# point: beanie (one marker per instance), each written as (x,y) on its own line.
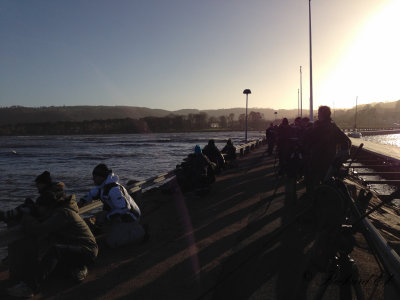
(101,170)
(197,149)
(44,178)
(47,199)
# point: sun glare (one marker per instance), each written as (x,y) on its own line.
(370,68)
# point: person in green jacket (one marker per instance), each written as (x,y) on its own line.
(60,239)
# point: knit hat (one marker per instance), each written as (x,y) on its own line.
(47,199)
(197,149)
(44,178)
(101,170)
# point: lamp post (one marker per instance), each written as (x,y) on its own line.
(275,113)
(301,93)
(298,102)
(311,85)
(247,92)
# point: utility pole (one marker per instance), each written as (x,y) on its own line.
(311,84)
(298,102)
(301,93)
(247,92)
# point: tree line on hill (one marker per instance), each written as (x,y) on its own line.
(379,115)
(170,123)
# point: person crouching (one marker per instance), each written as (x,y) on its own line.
(59,239)
(122,213)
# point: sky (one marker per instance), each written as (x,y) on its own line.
(178,54)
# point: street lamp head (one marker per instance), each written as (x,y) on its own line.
(247,91)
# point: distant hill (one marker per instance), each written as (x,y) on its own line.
(23,115)
(368,113)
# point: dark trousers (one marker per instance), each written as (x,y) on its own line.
(26,263)
(270,147)
(64,257)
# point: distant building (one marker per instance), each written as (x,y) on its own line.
(214,125)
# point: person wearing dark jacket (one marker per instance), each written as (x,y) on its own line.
(284,136)
(43,184)
(270,134)
(213,154)
(323,143)
(62,240)
(229,150)
(196,172)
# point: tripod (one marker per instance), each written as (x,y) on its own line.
(342,269)
(335,242)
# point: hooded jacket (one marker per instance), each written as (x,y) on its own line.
(116,199)
(63,225)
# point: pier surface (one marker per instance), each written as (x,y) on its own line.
(240,241)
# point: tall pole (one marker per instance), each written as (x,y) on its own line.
(301,93)
(355,116)
(247,95)
(298,102)
(247,92)
(334,110)
(311,85)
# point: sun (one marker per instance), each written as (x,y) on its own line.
(370,68)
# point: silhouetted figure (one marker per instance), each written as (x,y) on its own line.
(196,171)
(57,238)
(213,154)
(229,150)
(285,133)
(43,184)
(270,134)
(321,143)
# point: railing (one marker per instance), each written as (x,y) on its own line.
(14,233)
(389,259)
(385,253)
(375,131)
(245,148)
(371,129)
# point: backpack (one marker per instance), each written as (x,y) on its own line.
(128,198)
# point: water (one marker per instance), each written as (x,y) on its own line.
(71,159)
(384,189)
(389,139)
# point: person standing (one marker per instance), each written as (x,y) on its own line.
(270,135)
(323,143)
(285,133)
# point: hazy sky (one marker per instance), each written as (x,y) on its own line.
(175,54)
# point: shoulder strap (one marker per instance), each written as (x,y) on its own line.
(108,187)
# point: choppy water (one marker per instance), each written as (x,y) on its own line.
(389,139)
(132,156)
(71,159)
